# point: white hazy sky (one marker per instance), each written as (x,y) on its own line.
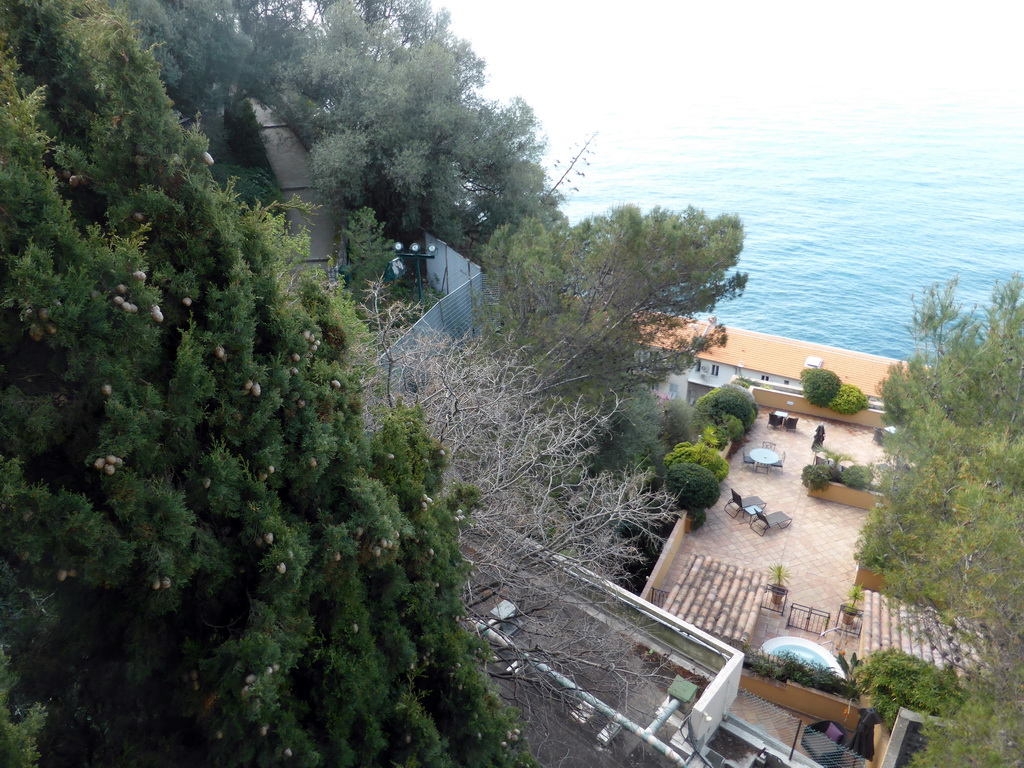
(579,64)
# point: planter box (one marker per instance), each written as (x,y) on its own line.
(817,705)
(851,497)
(796,403)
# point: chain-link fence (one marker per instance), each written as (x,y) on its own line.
(456,315)
(814,741)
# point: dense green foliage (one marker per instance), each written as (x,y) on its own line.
(693,486)
(390,103)
(604,305)
(210,561)
(632,439)
(786,667)
(820,386)
(726,401)
(895,679)
(849,400)
(816,477)
(859,477)
(949,536)
(699,453)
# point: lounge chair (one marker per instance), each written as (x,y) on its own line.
(772,520)
(739,504)
(791,423)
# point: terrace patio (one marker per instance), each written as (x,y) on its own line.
(817,547)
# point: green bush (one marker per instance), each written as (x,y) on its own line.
(895,679)
(820,386)
(729,401)
(816,477)
(734,428)
(694,487)
(858,477)
(697,519)
(786,667)
(849,400)
(702,454)
(678,423)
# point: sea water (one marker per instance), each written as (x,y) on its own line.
(850,211)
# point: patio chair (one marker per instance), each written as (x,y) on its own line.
(768,444)
(742,503)
(780,462)
(774,420)
(747,459)
(791,423)
(773,520)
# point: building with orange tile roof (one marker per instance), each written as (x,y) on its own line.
(774,360)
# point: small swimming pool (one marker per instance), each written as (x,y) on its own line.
(805,650)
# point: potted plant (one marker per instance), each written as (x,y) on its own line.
(850,609)
(778,578)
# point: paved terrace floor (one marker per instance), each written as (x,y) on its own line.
(817,547)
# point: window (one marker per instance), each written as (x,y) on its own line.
(714,370)
(764,377)
(673,391)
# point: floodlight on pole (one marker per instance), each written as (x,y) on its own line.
(413,253)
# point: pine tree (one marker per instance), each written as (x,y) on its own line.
(208,559)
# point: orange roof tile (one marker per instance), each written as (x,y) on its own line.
(787,357)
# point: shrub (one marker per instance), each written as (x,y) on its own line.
(820,386)
(895,679)
(849,400)
(733,427)
(694,487)
(816,477)
(786,667)
(729,401)
(702,454)
(678,423)
(858,477)
(697,519)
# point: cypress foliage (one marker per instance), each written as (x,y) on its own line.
(206,558)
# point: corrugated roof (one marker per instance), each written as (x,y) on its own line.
(779,356)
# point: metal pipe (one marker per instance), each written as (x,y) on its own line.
(641,733)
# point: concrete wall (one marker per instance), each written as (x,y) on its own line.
(448,270)
(668,556)
(785,401)
(816,705)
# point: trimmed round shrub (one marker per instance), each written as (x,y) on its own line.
(816,477)
(702,454)
(858,477)
(820,386)
(849,400)
(895,679)
(694,487)
(729,401)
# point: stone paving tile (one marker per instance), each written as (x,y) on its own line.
(819,544)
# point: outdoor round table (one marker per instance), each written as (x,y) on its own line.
(763,456)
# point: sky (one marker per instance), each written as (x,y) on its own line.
(580,64)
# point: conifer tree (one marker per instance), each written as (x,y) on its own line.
(206,558)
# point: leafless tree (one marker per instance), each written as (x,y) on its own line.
(540,505)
